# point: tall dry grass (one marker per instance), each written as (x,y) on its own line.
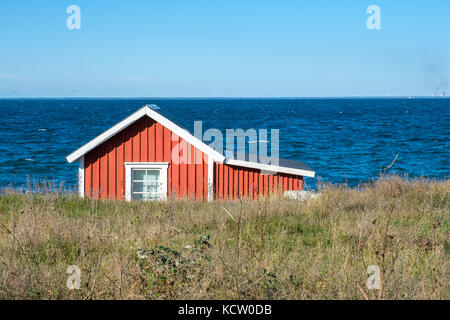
(272,248)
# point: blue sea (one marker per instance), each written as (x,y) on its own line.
(346,141)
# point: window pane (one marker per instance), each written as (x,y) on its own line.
(138,187)
(152,175)
(152,187)
(138,196)
(153,197)
(146,184)
(138,174)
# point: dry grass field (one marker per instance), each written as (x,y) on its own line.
(272,248)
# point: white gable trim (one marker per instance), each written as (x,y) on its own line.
(81,177)
(133,118)
(268,167)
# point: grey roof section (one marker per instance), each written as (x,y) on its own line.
(286,163)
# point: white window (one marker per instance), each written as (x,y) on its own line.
(146,180)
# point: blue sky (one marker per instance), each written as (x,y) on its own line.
(224,49)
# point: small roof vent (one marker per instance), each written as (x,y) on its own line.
(152,106)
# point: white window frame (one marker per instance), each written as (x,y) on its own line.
(161,166)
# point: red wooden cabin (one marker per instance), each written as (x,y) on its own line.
(146,157)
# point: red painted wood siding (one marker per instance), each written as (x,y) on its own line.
(144,141)
(232,182)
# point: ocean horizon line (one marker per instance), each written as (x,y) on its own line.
(223,98)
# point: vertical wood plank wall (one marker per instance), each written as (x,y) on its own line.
(232,182)
(148,141)
(144,141)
